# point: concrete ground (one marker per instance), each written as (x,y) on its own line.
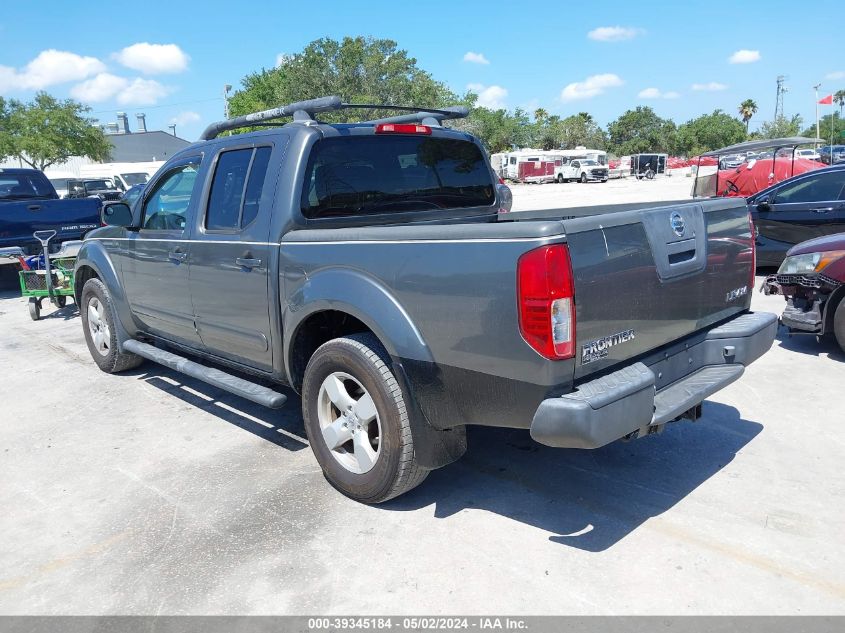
(150,493)
(616,191)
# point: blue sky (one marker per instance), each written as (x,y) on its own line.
(172,59)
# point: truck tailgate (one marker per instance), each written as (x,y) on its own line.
(647,277)
(71,219)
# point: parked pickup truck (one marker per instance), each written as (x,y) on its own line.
(582,170)
(29,203)
(372,268)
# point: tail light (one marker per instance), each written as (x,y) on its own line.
(402,128)
(547,301)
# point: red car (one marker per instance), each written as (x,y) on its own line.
(812,279)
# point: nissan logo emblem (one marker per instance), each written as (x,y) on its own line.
(677,223)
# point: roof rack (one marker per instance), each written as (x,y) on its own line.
(305,111)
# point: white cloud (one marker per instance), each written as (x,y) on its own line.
(490,97)
(153,59)
(655,93)
(591,87)
(713,86)
(649,93)
(614,33)
(185,118)
(744,56)
(100,88)
(142,92)
(50,67)
(839,74)
(282,58)
(475,58)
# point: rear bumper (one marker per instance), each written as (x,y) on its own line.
(627,400)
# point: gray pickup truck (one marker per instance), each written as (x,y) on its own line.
(373,268)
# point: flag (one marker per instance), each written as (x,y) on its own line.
(828,100)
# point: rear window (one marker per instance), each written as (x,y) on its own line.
(23,186)
(362,175)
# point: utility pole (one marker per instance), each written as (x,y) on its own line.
(226,89)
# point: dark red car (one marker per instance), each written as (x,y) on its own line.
(812,279)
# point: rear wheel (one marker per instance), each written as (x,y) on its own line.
(98,323)
(34,309)
(583,178)
(357,422)
(61,301)
(839,324)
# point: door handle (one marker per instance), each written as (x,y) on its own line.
(34,207)
(823,210)
(177,256)
(248,262)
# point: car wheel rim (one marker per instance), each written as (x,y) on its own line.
(98,327)
(349,422)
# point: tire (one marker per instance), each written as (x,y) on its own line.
(583,179)
(341,374)
(34,309)
(605,180)
(839,324)
(99,316)
(560,178)
(61,301)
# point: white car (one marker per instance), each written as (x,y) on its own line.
(582,170)
(809,154)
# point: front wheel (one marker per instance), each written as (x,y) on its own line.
(560,178)
(357,421)
(839,324)
(98,323)
(583,178)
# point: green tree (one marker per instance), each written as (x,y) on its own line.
(47,131)
(830,125)
(358,69)
(782,127)
(839,98)
(641,130)
(747,109)
(708,132)
(498,130)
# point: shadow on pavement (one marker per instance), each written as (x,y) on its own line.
(282,427)
(810,344)
(589,500)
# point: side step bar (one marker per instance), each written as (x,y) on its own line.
(226,382)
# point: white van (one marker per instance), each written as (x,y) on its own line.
(124,175)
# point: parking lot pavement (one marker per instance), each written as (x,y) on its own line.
(616,191)
(148,493)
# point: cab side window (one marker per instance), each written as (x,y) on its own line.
(167,204)
(820,188)
(236,188)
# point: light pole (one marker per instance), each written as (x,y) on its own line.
(816,88)
(226,89)
(172,128)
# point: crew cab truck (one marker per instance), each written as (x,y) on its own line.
(29,203)
(371,268)
(583,170)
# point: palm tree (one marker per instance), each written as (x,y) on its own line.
(747,109)
(839,97)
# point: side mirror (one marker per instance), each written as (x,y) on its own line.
(116,214)
(764,204)
(505,197)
